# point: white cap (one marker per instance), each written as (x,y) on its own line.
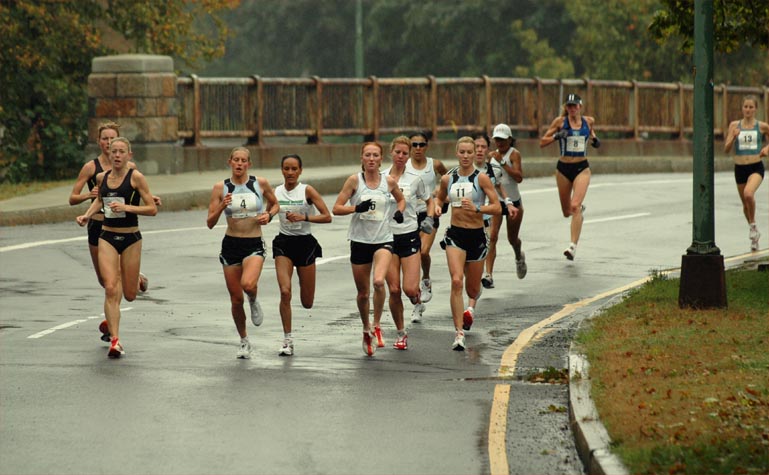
(502,131)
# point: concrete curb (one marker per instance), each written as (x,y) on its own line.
(590,435)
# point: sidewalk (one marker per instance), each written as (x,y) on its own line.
(178,192)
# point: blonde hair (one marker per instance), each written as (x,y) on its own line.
(109,125)
(465,139)
(400,139)
(240,149)
(120,139)
(751,97)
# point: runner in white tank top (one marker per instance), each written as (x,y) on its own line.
(365,195)
(431,171)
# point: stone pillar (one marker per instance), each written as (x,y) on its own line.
(138,92)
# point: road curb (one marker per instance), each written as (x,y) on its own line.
(590,436)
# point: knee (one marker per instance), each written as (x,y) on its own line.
(130,295)
(456,284)
(285,294)
(237,300)
(112,290)
(362,296)
(412,292)
(394,290)
(749,196)
(379,284)
(575,209)
(248,286)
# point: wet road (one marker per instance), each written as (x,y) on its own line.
(179,402)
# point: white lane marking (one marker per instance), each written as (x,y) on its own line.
(326,260)
(615,218)
(603,185)
(69,324)
(28,245)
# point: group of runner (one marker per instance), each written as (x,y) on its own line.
(395,219)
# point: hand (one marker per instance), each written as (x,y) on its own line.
(595,142)
(157,200)
(561,134)
(428,225)
(398,216)
(363,206)
(82,220)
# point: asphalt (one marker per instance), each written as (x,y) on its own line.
(193,189)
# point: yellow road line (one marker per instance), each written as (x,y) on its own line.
(498,417)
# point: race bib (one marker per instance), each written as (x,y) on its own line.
(748,140)
(406,190)
(108,213)
(284,221)
(243,205)
(376,209)
(459,191)
(575,143)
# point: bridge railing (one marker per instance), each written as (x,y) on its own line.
(256,108)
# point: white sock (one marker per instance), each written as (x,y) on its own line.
(244,340)
(288,335)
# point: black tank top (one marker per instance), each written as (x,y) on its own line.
(124,192)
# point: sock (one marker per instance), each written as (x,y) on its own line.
(244,339)
(288,335)
(402,332)
(471,309)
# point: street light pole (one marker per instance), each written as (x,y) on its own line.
(359,38)
(702,268)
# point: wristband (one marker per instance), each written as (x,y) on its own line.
(477,209)
(508,201)
(306,217)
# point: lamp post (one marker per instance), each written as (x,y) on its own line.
(702,268)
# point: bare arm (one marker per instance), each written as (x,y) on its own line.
(139,182)
(217,204)
(76,196)
(341,208)
(731,136)
(395,190)
(441,195)
(324,215)
(271,202)
(548,138)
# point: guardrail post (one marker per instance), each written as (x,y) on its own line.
(197,118)
(318,137)
(487,120)
(538,116)
(433,107)
(375,109)
(636,116)
(255,105)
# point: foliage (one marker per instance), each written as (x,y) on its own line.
(46,48)
(735,23)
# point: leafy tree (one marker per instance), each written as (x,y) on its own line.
(616,44)
(735,23)
(46,48)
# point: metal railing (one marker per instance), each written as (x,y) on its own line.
(255,108)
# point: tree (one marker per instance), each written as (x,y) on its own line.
(735,23)
(46,48)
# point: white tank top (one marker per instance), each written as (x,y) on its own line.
(294,201)
(414,192)
(428,176)
(507,182)
(373,226)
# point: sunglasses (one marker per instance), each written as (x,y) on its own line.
(419,144)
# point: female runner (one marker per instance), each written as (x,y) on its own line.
(371,240)
(295,246)
(249,203)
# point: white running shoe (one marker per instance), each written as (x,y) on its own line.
(570,251)
(426,286)
(416,314)
(257,316)
(754,237)
(520,266)
(288,347)
(487,281)
(244,352)
(459,342)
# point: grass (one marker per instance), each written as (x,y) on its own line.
(12,190)
(682,390)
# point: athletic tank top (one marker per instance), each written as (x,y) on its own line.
(414,192)
(246,198)
(294,201)
(428,176)
(465,187)
(749,140)
(124,193)
(372,226)
(507,182)
(575,144)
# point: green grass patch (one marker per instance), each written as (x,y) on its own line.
(683,390)
(12,190)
